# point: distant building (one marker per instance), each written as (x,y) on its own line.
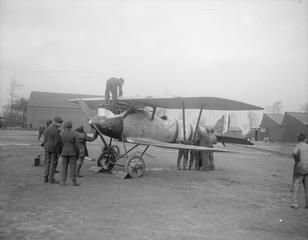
(234,131)
(3,122)
(283,128)
(294,123)
(46,105)
(271,127)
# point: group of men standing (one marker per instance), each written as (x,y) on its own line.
(66,143)
(204,160)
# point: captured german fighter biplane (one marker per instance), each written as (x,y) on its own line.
(135,123)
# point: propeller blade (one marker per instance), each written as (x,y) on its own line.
(86,110)
(128,110)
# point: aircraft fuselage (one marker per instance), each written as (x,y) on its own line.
(141,125)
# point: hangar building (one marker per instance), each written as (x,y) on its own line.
(283,128)
(294,123)
(271,127)
(46,105)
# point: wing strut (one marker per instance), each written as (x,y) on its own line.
(153,114)
(197,125)
(184,126)
(128,110)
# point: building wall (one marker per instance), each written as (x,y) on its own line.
(292,127)
(234,133)
(272,130)
(37,115)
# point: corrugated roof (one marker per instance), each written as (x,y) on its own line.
(278,118)
(55,100)
(302,117)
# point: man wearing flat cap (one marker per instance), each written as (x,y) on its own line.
(52,148)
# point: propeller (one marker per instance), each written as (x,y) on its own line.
(90,114)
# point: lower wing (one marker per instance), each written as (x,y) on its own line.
(227,139)
(143,141)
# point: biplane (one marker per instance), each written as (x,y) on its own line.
(134,121)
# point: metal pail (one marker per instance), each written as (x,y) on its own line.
(37,161)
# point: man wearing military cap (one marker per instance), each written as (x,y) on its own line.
(52,147)
(70,151)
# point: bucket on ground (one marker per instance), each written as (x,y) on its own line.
(37,160)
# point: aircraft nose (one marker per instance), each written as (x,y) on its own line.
(111,127)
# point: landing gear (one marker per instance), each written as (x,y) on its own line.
(135,166)
(108,158)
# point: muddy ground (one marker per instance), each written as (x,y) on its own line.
(246,197)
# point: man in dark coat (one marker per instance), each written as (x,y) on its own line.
(69,153)
(182,153)
(83,150)
(195,155)
(112,86)
(300,155)
(48,122)
(212,141)
(205,155)
(41,131)
(52,148)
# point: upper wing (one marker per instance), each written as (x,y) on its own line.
(208,103)
(143,141)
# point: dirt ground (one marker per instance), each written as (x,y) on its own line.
(246,197)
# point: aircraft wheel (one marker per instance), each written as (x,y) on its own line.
(135,166)
(106,161)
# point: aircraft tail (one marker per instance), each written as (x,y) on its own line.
(226,123)
(222,125)
(86,110)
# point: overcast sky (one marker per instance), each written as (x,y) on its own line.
(251,50)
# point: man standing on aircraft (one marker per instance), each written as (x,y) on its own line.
(112,86)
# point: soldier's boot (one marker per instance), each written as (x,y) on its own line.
(53,181)
(75,184)
(45,179)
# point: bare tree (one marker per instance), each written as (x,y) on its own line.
(304,107)
(12,92)
(17,112)
(275,108)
